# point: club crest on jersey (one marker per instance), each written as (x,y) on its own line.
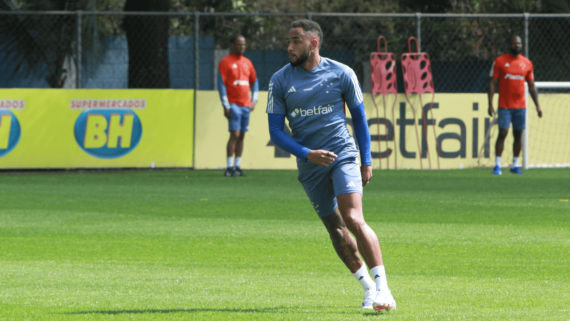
(317,110)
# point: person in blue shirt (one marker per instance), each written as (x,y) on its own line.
(311,93)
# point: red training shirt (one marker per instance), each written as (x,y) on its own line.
(238,75)
(512,72)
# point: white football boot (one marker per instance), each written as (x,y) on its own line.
(384,301)
(368,302)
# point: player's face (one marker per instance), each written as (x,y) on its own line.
(515,46)
(238,47)
(299,46)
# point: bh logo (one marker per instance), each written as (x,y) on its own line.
(108,133)
(9,131)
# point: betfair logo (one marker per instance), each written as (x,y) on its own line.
(317,110)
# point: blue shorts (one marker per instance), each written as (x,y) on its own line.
(516,116)
(239,118)
(324,184)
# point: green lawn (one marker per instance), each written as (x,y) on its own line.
(193,245)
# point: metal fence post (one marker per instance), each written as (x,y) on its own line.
(196,51)
(78,53)
(419,30)
(525,135)
(309,16)
(526,44)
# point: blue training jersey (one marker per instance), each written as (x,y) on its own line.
(313,102)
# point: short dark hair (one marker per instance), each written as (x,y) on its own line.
(513,36)
(234,37)
(309,26)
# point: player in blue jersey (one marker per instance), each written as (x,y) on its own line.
(311,93)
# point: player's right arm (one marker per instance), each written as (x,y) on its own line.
(493,82)
(223,94)
(276,110)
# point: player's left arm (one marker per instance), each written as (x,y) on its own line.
(534,94)
(352,94)
(254,94)
(254,84)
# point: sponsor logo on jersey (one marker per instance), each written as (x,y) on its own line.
(108,133)
(351,184)
(317,110)
(514,77)
(292,89)
(9,130)
(241,83)
(234,66)
(507,65)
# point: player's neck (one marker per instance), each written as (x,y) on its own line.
(312,63)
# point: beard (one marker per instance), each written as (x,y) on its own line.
(300,60)
(515,51)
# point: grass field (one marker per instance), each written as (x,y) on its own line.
(193,245)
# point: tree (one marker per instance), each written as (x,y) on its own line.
(147,38)
(45,45)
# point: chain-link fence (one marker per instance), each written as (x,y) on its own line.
(182,50)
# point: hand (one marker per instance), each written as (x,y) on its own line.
(321,157)
(366,171)
(252,106)
(227,113)
(491,110)
(539,111)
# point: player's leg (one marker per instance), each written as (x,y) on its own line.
(235,129)
(343,243)
(347,250)
(350,207)
(504,124)
(347,182)
(244,127)
(518,116)
(318,186)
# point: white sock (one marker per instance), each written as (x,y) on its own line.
(238,161)
(363,277)
(498,161)
(230,162)
(379,274)
(515,161)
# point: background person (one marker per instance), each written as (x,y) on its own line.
(510,71)
(236,75)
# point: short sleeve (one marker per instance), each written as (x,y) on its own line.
(351,91)
(252,74)
(495,70)
(530,74)
(222,70)
(275,97)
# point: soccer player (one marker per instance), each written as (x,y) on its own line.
(311,92)
(510,71)
(236,76)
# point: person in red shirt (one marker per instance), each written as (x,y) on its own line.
(236,76)
(510,71)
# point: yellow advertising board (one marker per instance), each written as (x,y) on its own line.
(94,128)
(460,122)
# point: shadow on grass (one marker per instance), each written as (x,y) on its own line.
(262,310)
(196,310)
